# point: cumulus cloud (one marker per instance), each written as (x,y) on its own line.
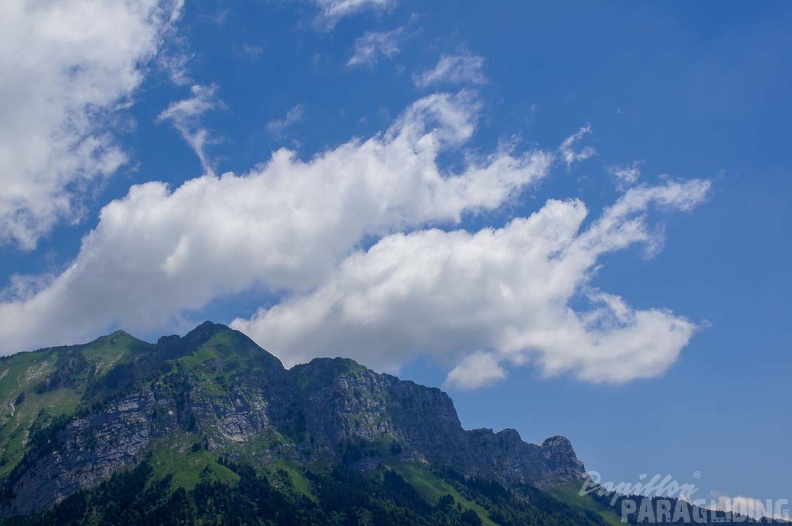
(490,299)
(185,115)
(453,69)
(625,176)
(476,370)
(66,67)
(373,45)
(285,226)
(292,117)
(567,149)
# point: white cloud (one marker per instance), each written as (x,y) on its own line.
(185,115)
(293,116)
(373,45)
(474,371)
(453,69)
(489,299)
(753,507)
(66,67)
(334,10)
(175,62)
(253,51)
(567,151)
(625,176)
(158,254)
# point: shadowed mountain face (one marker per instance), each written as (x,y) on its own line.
(74,416)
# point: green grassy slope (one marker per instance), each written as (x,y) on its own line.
(570,494)
(38,387)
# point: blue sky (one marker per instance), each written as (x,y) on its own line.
(573,216)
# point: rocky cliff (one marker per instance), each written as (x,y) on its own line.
(76,415)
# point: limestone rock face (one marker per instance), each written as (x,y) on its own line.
(217,387)
(85,451)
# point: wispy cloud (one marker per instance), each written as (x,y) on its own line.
(373,45)
(625,176)
(453,69)
(253,51)
(334,10)
(292,117)
(568,152)
(185,115)
(174,59)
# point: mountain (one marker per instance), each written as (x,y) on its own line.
(210,428)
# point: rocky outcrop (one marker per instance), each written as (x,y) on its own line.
(358,403)
(84,451)
(219,386)
(505,456)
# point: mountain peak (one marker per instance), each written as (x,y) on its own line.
(209,324)
(211,341)
(557,441)
(206,330)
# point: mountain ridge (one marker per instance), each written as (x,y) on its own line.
(217,387)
